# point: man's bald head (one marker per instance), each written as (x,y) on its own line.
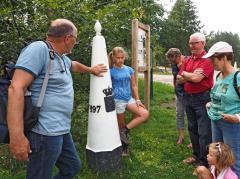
(61,27)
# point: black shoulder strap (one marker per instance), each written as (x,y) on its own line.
(52,53)
(51,50)
(235,83)
(218,75)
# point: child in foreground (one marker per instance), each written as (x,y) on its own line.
(220,159)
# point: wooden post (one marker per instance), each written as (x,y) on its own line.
(135,47)
(145,67)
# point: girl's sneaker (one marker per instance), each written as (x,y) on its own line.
(125,150)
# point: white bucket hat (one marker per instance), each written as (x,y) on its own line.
(219,47)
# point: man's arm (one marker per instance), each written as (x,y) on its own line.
(194,77)
(81,68)
(180,79)
(19,144)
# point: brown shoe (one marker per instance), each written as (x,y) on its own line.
(123,135)
(190,160)
(125,153)
(125,150)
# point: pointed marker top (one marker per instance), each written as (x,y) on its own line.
(98,27)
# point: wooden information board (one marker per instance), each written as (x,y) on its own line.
(141,55)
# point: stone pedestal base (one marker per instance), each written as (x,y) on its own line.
(105,161)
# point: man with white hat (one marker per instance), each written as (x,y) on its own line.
(197,76)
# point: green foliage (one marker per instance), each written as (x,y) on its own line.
(232,39)
(20,23)
(80,109)
(24,21)
(9,167)
(180,24)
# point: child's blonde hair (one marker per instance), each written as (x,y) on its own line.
(113,53)
(224,155)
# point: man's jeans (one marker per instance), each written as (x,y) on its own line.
(199,125)
(48,151)
(228,133)
(3,133)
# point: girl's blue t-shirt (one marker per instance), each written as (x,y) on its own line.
(224,98)
(121,82)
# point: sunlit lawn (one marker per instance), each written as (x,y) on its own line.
(153,152)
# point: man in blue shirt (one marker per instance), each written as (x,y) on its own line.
(50,142)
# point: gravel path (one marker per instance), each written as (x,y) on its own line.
(167,79)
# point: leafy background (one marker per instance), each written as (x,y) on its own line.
(154,153)
(24,21)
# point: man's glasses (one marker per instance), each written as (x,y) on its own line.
(218,146)
(76,39)
(73,36)
(193,43)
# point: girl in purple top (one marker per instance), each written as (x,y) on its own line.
(220,158)
(126,96)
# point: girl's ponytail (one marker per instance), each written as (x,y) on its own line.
(110,59)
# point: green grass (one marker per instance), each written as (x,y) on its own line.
(153,152)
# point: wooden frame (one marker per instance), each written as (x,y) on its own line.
(136,25)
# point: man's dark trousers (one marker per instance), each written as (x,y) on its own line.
(199,125)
